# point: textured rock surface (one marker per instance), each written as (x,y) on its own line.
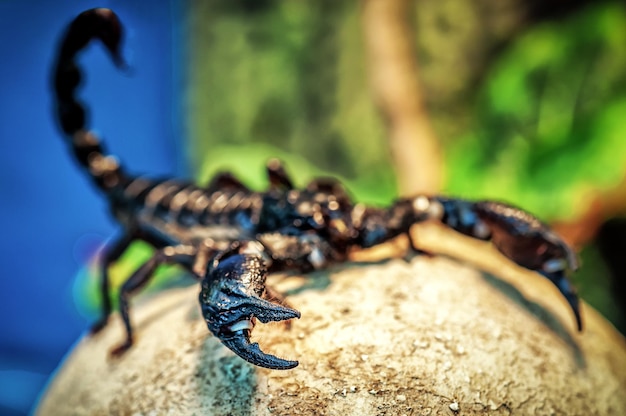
(428,337)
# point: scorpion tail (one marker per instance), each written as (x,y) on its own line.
(104,25)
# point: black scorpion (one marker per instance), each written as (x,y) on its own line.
(230,238)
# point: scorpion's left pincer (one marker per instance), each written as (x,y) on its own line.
(232,299)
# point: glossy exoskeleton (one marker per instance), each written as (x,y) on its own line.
(230,237)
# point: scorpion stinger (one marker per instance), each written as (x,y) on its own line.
(101,24)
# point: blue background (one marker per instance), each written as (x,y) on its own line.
(50,215)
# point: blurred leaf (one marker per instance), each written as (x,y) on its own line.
(550,117)
(292,77)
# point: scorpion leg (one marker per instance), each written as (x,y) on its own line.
(182,254)
(277,175)
(225,181)
(111,254)
(233,297)
(515,233)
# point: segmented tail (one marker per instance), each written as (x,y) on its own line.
(104,25)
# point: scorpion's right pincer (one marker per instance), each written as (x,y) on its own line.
(232,300)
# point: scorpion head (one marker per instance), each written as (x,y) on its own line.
(231,301)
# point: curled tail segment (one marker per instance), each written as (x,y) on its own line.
(101,24)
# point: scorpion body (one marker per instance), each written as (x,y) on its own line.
(230,237)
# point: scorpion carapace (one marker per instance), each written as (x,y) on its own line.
(230,237)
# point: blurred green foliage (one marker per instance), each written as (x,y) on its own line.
(545,124)
(549,117)
(289,75)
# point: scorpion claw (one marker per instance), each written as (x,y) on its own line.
(532,244)
(231,300)
(266,311)
(239,343)
(236,336)
(560,280)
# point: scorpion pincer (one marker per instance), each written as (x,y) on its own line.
(230,238)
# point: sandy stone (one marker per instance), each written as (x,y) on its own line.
(429,337)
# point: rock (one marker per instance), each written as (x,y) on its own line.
(428,337)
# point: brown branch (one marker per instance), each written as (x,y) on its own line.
(394,77)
